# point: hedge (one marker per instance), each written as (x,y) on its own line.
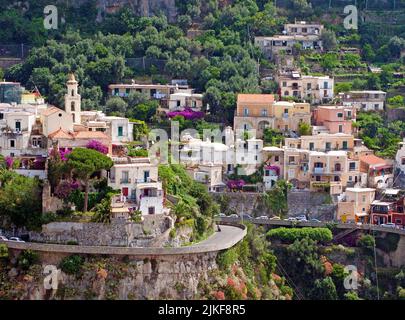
(292,234)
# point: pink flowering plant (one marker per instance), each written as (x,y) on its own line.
(188,114)
(98,146)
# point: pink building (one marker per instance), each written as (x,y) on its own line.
(335,119)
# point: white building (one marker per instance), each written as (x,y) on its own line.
(185,99)
(138,181)
(367,100)
(400,165)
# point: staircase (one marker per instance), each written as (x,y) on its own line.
(343,234)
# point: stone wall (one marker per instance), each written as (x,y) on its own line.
(395,114)
(118,233)
(123,278)
(315,204)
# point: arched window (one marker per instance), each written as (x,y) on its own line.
(73,92)
(72,106)
(338,167)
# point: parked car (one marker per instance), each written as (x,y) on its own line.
(233,216)
(275,218)
(291,219)
(15,239)
(3,238)
(247,216)
(221,215)
(301,218)
(389,225)
(315,220)
(262,218)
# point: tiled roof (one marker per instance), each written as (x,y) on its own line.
(51,110)
(255,98)
(372,160)
(60,134)
(90,135)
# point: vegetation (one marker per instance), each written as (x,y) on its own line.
(72,264)
(83,163)
(290,235)
(276,199)
(27,258)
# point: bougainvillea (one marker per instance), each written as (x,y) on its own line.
(188,114)
(219,295)
(65,188)
(9,162)
(235,184)
(98,146)
(273,168)
(64,153)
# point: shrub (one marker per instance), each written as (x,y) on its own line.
(389,243)
(172,233)
(292,234)
(27,258)
(72,264)
(3,251)
(227,258)
(366,241)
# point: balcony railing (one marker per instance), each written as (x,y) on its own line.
(125,181)
(318,170)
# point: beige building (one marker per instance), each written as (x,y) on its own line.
(355,205)
(313,89)
(260,111)
(73,99)
(322,142)
(53,119)
(307,36)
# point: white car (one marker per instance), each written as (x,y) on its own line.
(291,219)
(15,239)
(316,220)
(275,218)
(389,225)
(221,215)
(3,238)
(301,218)
(262,218)
(233,216)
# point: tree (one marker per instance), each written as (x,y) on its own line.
(84,163)
(329,41)
(395,45)
(276,198)
(20,199)
(304,129)
(324,289)
(117,104)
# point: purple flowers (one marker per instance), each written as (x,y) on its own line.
(273,168)
(98,146)
(187,114)
(64,153)
(9,162)
(235,184)
(65,188)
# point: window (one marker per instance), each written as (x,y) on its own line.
(327,146)
(120,131)
(340,128)
(336,179)
(284,84)
(18,125)
(363,198)
(256,158)
(276,158)
(325,93)
(12,143)
(291,160)
(264,113)
(151,210)
(377,106)
(340,115)
(344,145)
(246,111)
(73,92)
(286,111)
(178,103)
(325,85)
(257,147)
(146,175)
(352,166)
(72,106)
(338,167)
(1,116)
(304,30)
(318,178)
(309,86)
(311,146)
(286,93)
(318,165)
(349,114)
(116,91)
(125,177)
(403,161)
(127,91)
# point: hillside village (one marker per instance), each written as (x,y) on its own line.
(263,134)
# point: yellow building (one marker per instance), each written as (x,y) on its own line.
(356,205)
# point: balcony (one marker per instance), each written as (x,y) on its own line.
(125,181)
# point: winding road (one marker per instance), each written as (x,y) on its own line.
(229,235)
